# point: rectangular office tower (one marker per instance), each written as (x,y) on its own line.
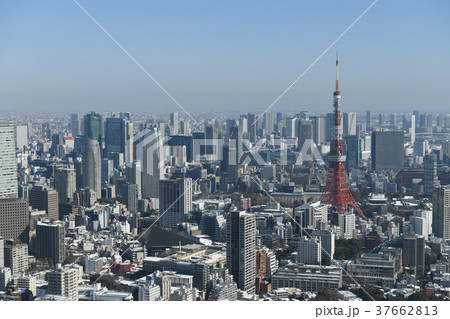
(241,236)
(119,137)
(175,201)
(50,241)
(441,212)
(8,161)
(14,219)
(387,150)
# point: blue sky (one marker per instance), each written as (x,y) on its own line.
(224,55)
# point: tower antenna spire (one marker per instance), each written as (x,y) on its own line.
(337,72)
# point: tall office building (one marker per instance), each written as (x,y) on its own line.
(413,128)
(21,136)
(353,151)
(387,150)
(14,219)
(63,282)
(269,122)
(414,253)
(107,170)
(150,151)
(320,129)
(93,127)
(185,127)
(241,236)
(309,251)
(175,201)
(327,239)
(92,166)
(16,256)
(50,241)
(119,137)
(290,127)
(368,120)
(134,175)
(45,198)
(74,124)
(347,225)
(130,196)
(234,155)
(8,161)
(305,132)
(252,127)
(381,119)
(441,212)
(174,123)
(65,184)
(349,123)
(430,173)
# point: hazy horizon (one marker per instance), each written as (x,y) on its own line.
(223,57)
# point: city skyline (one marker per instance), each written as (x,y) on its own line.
(223,56)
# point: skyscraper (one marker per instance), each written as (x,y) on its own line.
(349,123)
(441,212)
(235,151)
(305,132)
(130,196)
(93,127)
(241,236)
(414,253)
(45,198)
(8,161)
(50,241)
(174,123)
(92,166)
(290,127)
(175,201)
(14,218)
(430,173)
(65,183)
(150,151)
(74,124)
(368,120)
(387,150)
(119,137)
(269,122)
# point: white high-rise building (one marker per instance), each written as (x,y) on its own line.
(27,282)
(290,127)
(8,161)
(149,292)
(309,251)
(63,282)
(150,151)
(21,136)
(174,123)
(347,226)
(16,257)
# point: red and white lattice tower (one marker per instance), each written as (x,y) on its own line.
(336,192)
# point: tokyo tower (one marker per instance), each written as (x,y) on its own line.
(336,192)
